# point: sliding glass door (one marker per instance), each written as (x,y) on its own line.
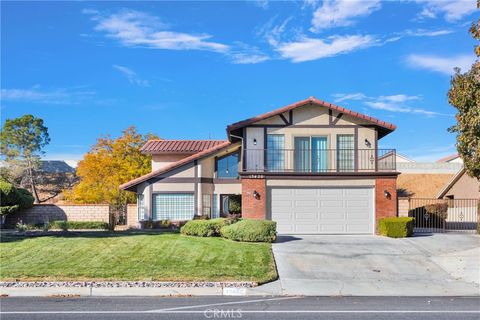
(310,154)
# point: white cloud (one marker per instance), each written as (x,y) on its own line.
(307,49)
(339,97)
(246,54)
(451,10)
(398,103)
(428,33)
(56,96)
(441,64)
(260,3)
(137,29)
(339,13)
(131,76)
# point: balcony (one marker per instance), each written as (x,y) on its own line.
(319,161)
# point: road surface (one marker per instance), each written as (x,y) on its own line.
(278,308)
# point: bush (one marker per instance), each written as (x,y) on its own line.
(396,227)
(12,199)
(205,228)
(251,231)
(437,210)
(165,224)
(78,225)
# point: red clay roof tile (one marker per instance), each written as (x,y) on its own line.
(179,146)
(175,165)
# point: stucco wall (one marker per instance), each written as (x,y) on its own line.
(465,188)
(162,160)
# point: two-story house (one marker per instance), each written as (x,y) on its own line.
(313,167)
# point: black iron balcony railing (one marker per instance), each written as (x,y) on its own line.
(319,160)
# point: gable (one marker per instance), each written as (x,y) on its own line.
(311,111)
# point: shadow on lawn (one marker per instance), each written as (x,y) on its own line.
(19,236)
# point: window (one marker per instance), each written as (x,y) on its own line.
(173,206)
(345,152)
(311,154)
(227,166)
(141,207)
(275,152)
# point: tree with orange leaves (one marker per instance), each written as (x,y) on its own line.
(108,164)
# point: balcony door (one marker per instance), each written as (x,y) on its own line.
(345,152)
(311,154)
(275,152)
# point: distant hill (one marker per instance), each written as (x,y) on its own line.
(56,166)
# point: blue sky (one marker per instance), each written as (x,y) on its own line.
(185,70)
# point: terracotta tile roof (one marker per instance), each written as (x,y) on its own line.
(448,158)
(388,127)
(175,165)
(179,146)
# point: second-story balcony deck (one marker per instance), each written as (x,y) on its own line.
(319,161)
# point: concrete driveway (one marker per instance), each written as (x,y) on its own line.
(429,265)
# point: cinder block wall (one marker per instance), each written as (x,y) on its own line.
(42,213)
(132,216)
(403,206)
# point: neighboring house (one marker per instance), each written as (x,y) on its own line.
(399,158)
(453,158)
(461,186)
(313,167)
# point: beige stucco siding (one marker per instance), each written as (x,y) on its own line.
(465,188)
(160,161)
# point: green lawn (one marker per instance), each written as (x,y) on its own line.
(130,256)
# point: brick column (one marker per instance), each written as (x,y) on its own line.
(385,206)
(254,207)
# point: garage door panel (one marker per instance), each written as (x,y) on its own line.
(331,203)
(331,192)
(332,216)
(311,217)
(306,228)
(358,204)
(357,192)
(329,210)
(305,203)
(305,192)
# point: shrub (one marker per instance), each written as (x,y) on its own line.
(396,227)
(437,210)
(21,226)
(77,225)
(235,203)
(251,231)
(12,199)
(205,228)
(165,224)
(199,228)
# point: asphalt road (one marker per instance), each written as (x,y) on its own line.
(278,308)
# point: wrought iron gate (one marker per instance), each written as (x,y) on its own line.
(444,215)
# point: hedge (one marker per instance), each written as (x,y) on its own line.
(251,231)
(204,228)
(396,227)
(77,225)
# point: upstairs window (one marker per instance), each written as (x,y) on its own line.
(227,166)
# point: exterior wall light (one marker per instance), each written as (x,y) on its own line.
(387,194)
(368,143)
(256,195)
(254,142)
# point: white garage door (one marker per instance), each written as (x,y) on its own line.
(322,210)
